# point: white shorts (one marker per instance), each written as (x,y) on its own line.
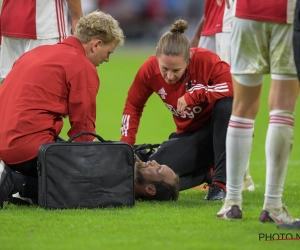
(208,42)
(261,48)
(13,48)
(223,43)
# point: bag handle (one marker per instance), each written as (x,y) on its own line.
(85,133)
(145,146)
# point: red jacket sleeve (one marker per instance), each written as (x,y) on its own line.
(219,85)
(82,104)
(137,97)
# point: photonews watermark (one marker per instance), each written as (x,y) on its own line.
(278,236)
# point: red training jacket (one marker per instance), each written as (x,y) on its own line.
(210,80)
(44,85)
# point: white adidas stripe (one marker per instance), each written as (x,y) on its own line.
(125,124)
(222,87)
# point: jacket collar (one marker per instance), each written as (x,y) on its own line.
(74,42)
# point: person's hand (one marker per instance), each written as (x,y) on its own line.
(74,22)
(181,105)
(219,2)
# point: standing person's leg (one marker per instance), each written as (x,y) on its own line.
(220,118)
(296,46)
(247,79)
(189,154)
(239,144)
(279,141)
(223,50)
(284,91)
(296,38)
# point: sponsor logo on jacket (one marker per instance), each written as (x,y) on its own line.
(191,111)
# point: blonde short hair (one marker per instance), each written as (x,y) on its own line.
(100,26)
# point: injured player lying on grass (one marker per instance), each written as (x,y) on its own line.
(152,182)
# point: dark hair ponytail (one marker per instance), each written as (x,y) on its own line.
(175,42)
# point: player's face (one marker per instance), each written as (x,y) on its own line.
(101,52)
(172,67)
(152,171)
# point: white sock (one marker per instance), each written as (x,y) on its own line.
(238,149)
(279,142)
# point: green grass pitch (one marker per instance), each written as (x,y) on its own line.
(189,223)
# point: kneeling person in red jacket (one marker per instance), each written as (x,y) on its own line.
(195,85)
(46,84)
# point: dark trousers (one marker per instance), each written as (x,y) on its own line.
(296,37)
(190,154)
(25,179)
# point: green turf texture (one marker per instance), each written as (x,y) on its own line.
(189,223)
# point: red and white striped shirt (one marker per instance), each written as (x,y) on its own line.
(209,80)
(217,18)
(35,19)
(279,11)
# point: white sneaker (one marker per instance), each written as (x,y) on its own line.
(230,213)
(277,215)
(248,184)
(18,199)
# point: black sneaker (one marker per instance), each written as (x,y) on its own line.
(6,183)
(294,225)
(215,192)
